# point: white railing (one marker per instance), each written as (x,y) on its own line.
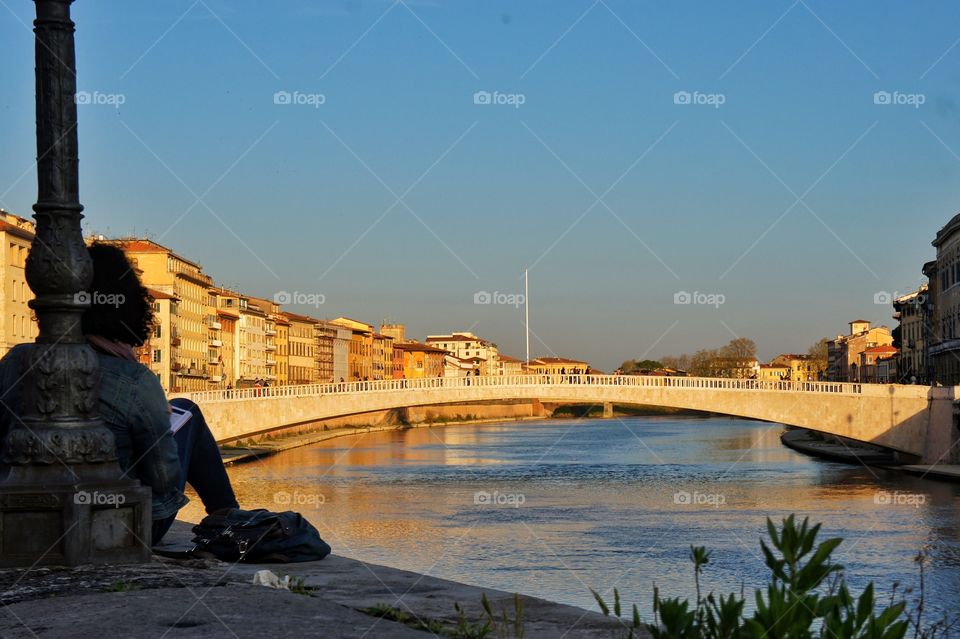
(386,385)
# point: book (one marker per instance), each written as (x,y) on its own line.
(178,417)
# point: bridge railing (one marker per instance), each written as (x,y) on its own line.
(386,385)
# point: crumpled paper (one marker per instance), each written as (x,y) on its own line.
(270,579)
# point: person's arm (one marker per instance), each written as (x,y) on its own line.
(154,454)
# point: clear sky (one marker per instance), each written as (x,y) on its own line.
(777,181)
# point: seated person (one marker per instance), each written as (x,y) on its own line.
(132,402)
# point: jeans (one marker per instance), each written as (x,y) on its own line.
(201,466)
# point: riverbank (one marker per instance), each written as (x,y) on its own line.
(212,599)
(271,445)
(849,452)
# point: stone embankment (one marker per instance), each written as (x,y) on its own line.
(336,597)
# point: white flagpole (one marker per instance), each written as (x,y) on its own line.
(526,310)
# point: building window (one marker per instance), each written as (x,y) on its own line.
(157,356)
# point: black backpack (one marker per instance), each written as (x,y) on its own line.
(259,536)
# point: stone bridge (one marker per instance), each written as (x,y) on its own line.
(917,421)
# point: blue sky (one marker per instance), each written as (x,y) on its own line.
(796,199)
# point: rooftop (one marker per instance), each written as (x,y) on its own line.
(557,360)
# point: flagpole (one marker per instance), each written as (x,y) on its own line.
(526,309)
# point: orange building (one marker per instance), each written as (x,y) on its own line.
(413,360)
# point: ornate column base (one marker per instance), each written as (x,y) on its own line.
(86,523)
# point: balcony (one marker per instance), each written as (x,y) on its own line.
(271,347)
(213,361)
(270,331)
(216,343)
(215,325)
(175,366)
(271,362)
(216,379)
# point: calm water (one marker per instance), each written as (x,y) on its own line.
(600,505)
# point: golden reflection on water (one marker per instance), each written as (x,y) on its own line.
(600,499)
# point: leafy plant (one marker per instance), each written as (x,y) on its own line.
(121,586)
(799,602)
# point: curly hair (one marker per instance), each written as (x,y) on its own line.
(121,308)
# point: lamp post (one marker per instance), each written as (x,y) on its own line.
(64,500)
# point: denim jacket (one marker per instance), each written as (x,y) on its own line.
(135,408)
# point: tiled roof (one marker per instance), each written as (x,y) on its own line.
(160,295)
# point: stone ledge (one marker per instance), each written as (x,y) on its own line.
(212,599)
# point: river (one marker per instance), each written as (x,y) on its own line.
(553,508)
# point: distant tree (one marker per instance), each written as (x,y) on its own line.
(818,350)
(703,362)
(676,362)
(740,348)
(633,365)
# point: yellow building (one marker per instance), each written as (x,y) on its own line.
(156,352)
(802,368)
(251,341)
(303,350)
(467,347)
(773,373)
(270,312)
(382,356)
(283,350)
(507,365)
(187,339)
(224,338)
(843,353)
(557,366)
(17,325)
(360,357)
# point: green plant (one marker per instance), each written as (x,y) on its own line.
(121,586)
(628,631)
(297,586)
(799,602)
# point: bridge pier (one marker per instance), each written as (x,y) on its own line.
(607,410)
